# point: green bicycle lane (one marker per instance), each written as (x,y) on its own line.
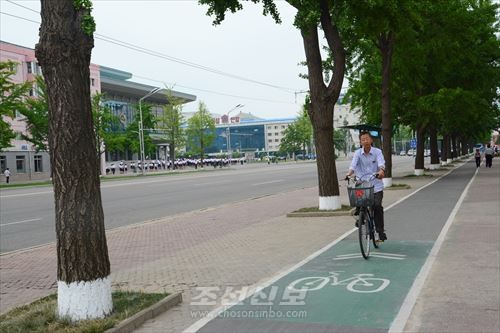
(338,290)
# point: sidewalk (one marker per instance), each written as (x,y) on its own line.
(462,291)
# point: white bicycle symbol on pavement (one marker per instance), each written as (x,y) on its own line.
(358,283)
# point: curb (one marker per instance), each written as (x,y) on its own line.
(134,322)
(319,214)
(395,188)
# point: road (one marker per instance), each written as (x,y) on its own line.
(27,214)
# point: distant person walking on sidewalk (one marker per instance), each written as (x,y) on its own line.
(366,161)
(6,173)
(477,156)
(488,155)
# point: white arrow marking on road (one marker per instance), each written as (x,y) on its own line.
(19,222)
(347,256)
(380,255)
(385,255)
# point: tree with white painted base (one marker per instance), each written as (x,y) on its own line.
(83,269)
(323,91)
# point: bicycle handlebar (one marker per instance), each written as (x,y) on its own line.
(356,178)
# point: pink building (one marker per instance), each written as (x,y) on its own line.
(121,94)
(27,69)
(23,162)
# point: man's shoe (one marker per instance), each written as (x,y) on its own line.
(382,236)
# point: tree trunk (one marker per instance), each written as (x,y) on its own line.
(449,155)
(202,150)
(320,109)
(84,287)
(419,157)
(171,148)
(445,148)
(463,143)
(325,154)
(454,152)
(386,44)
(434,149)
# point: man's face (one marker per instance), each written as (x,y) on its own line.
(366,141)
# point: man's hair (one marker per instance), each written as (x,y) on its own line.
(364,133)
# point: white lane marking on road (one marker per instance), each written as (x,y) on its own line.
(399,322)
(24,194)
(269,182)
(258,287)
(19,222)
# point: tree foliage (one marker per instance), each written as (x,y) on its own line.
(200,131)
(35,112)
(107,128)
(11,100)
(445,71)
(297,136)
(132,130)
(171,124)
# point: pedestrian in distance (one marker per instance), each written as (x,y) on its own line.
(6,173)
(477,156)
(488,155)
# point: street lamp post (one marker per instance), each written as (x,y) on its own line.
(141,126)
(228,136)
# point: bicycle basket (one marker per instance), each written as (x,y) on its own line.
(361,196)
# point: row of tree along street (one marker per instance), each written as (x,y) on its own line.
(430,65)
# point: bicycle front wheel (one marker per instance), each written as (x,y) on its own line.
(372,230)
(364,234)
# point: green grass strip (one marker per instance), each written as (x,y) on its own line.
(40,316)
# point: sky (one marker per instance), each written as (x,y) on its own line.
(247,44)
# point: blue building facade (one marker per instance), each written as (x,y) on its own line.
(252,135)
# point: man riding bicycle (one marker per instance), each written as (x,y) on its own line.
(367,161)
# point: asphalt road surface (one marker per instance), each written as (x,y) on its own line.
(27,214)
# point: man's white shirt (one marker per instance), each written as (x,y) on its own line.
(366,164)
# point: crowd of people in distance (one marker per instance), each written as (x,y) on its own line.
(182,163)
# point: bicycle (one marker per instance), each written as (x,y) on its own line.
(361,195)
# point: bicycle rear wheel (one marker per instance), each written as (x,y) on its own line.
(364,234)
